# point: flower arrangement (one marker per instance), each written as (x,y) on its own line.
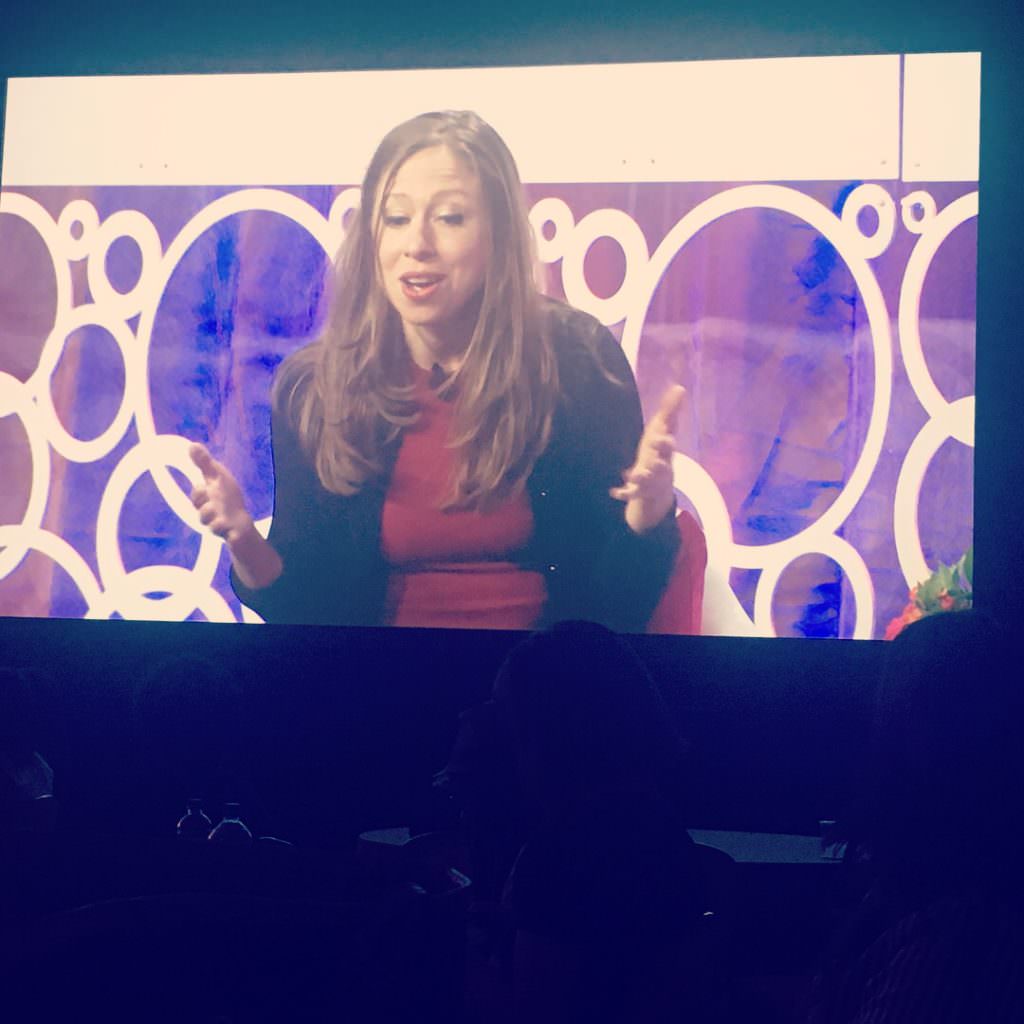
(949,589)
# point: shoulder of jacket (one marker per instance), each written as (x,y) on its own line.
(587,352)
(580,341)
(293,379)
(569,326)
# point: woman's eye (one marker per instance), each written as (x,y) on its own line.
(452,218)
(395,220)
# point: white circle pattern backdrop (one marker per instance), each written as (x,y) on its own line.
(79,235)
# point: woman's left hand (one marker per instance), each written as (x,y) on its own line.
(647,485)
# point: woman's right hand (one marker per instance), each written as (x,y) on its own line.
(221,508)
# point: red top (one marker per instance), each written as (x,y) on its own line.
(453,568)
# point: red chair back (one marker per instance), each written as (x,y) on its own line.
(679,610)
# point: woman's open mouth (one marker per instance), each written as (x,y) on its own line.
(418,287)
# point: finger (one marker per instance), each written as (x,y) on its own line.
(219,528)
(625,493)
(655,450)
(199,497)
(204,461)
(662,445)
(651,482)
(648,469)
(667,415)
(639,479)
(207,514)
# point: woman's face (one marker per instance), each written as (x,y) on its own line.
(433,249)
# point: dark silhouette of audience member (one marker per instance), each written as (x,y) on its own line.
(604,891)
(28,810)
(189,728)
(26,780)
(940,934)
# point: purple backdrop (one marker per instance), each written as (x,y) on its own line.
(757,315)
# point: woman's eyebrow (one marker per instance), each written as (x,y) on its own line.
(443,194)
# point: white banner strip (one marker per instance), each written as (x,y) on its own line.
(781,119)
(941,116)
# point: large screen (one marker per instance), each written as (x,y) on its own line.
(792,239)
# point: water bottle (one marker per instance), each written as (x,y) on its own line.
(231,829)
(193,824)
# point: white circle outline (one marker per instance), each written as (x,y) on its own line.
(937,230)
(122,587)
(15,401)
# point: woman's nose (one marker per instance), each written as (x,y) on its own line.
(420,242)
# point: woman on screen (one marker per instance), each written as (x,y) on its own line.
(456,449)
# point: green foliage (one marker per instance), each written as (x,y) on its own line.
(949,588)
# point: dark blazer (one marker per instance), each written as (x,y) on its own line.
(596,567)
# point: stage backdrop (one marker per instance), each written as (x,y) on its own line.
(793,240)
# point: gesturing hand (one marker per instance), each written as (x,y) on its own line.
(647,484)
(219,499)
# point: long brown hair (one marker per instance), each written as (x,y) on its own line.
(349,396)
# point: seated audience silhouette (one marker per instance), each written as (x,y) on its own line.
(26,780)
(189,716)
(939,935)
(587,794)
